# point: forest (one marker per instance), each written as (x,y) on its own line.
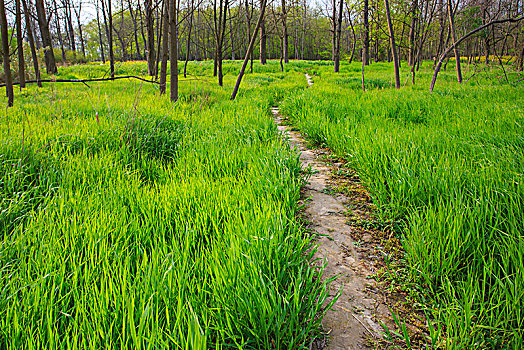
(269,174)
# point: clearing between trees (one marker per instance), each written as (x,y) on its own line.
(129,221)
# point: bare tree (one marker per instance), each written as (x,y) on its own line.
(249,49)
(30,38)
(165,47)
(365,44)
(150,53)
(455,49)
(285,35)
(43,23)
(5,55)
(20,47)
(80,32)
(173,49)
(338,36)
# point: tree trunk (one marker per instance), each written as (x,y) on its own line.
(284,34)
(101,42)
(412,29)
(5,55)
(20,46)
(393,45)
(135,27)
(339,36)
(49,55)
(263,43)
(188,46)
(249,49)
(231,34)
(110,39)
(80,32)
(59,33)
(354,36)
(443,56)
(334,31)
(165,47)
(31,39)
(365,44)
(455,49)
(148,5)
(173,49)
(69,24)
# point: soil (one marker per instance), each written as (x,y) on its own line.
(353,321)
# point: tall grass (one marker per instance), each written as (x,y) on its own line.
(448,168)
(130,222)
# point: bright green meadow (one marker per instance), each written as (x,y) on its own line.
(127,221)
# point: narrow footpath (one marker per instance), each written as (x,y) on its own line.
(351,323)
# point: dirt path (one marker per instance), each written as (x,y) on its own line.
(351,323)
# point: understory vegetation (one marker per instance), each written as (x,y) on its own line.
(446,170)
(127,221)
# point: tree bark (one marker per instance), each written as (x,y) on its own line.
(5,55)
(20,46)
(249,49)
(49,55)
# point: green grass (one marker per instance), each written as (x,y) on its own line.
(130,222)
(448,167)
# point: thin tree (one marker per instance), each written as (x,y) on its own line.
(393,45)
(365,44)
(132,14)
(173,49)
(100,41)
(5,55)
(339,36)
(455,49)
(285,33)
(50,63)
(263,42)
(188,44)
(108,20)
(20,47)
(80,31)
(446,52)
(165,47)
(249,49)
(30,38)
(150,53)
